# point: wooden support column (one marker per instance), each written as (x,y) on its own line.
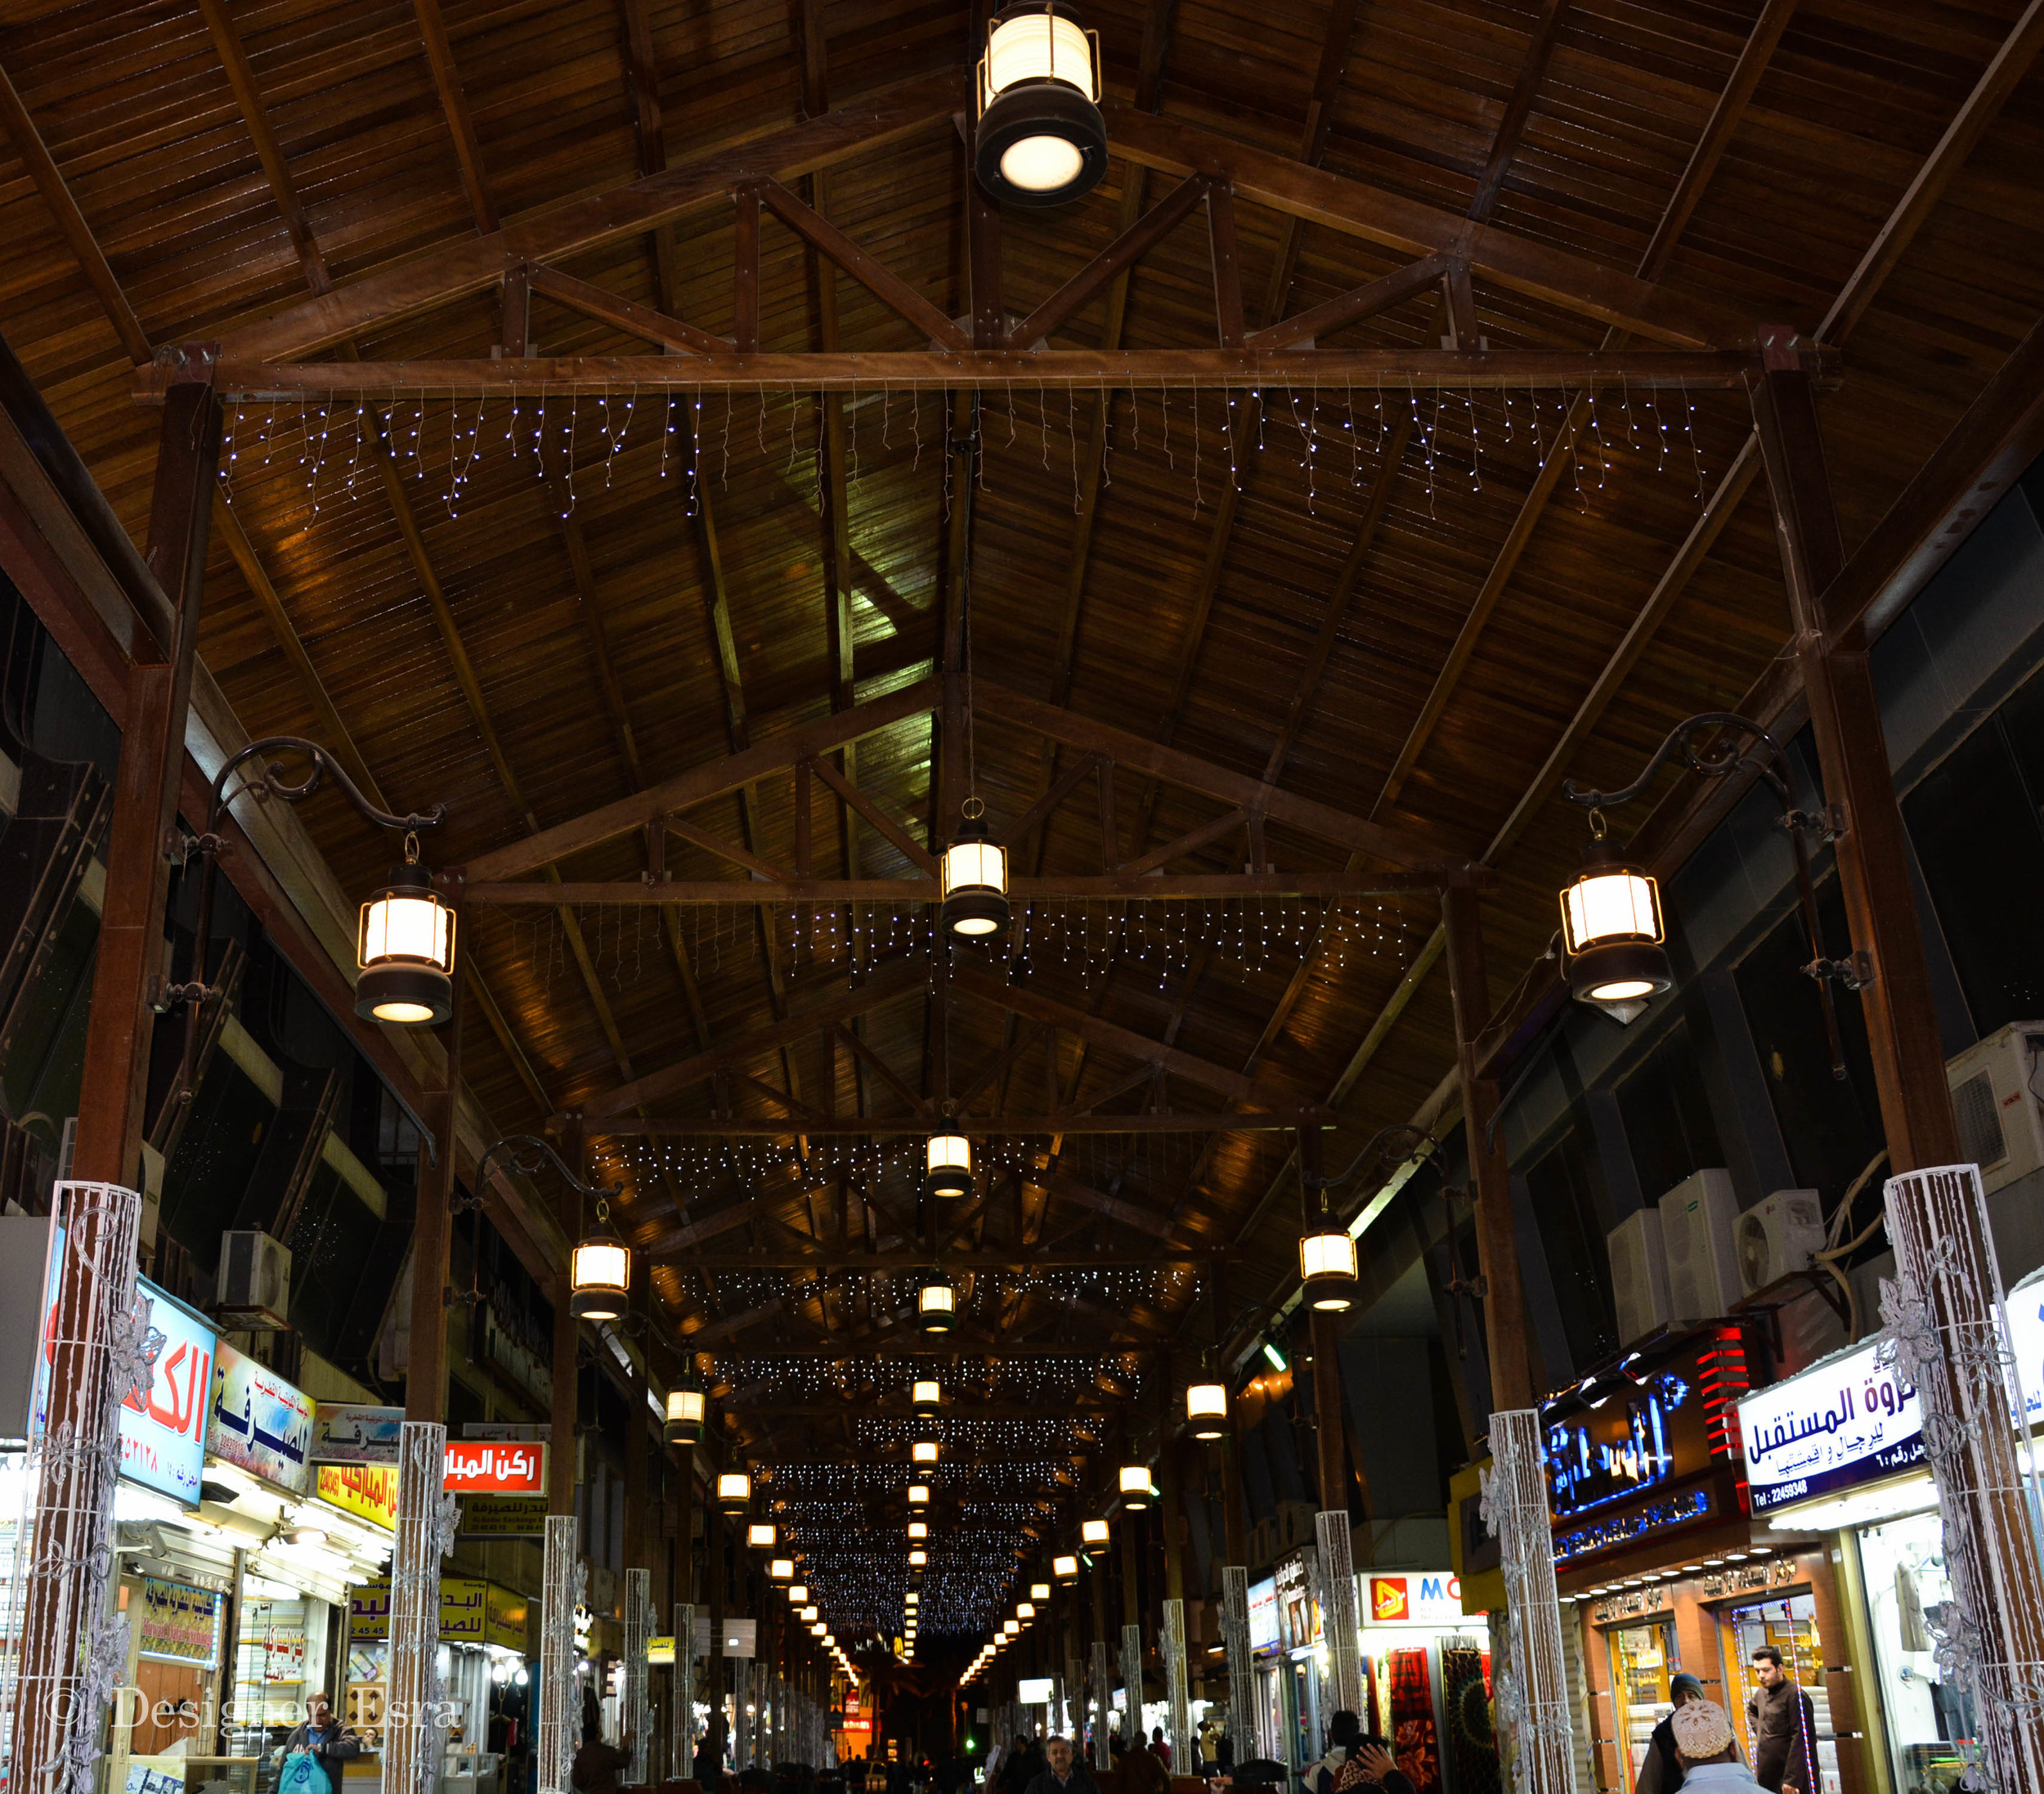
(1852,752)
(1327,1430)
(432,1228)
(568,1344)
(685,1525)
(1169,1482)
(130,962)
(1490,1176)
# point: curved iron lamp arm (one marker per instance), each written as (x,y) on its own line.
(1418,1141)
(528,1153)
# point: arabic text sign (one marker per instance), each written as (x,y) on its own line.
(485,1467)
(1847,1421)
(1263,1615)
(472,1612)
(503,1517)
(356,1432)
(1422,1598)
(367,1491)
(178,1624)
(164,1435)
(259,1421)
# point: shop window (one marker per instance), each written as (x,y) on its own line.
(215,1158)
(1973,819)
(1642,1658)
(1908,1596)
(1668,1121)
(1565,1206)
(1831,1125)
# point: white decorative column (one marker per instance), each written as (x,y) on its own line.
(1947,1321)
(1100,1707)
(1532,1694)
(1185,1754)
(73,1652)
(561,1578)
(1337,1613)
(415,1729)
(684,1692)
(636,1705)
(1133,1682)
(1234,1637)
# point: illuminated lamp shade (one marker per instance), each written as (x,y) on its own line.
(1040,139)
(911,1598)
(1065,1569)
(781,1570)
(923,1451)
(919,1494)
(1327,1262)
(1010,1628)
(919,1529)
(687,1409)
(1612,926)
(936,1304)
(947,1165)
(917,1558)
(799,1592)
(600,1272)
(1207,1409)
(1039,1591)
(928,1396)
(759,1535)
(1024,1610)
(1093,1532)
(973,881)
(1135,1487)
(404,952)
(818,1629)
(807,1614)
(734,1491)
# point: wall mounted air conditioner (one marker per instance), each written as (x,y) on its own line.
(255,1281)
(1776,1236)
(1697,1217)
(1995,1099)
(1638,1275)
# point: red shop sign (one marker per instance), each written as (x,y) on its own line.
(490,1467)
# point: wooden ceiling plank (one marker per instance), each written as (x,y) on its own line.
(918,855)
(1352,307)
(454,102)
(879,280)
(725,850)
(1504,145)
(887,1075)
(1110,264)
(1123,886)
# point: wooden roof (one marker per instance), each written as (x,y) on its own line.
(1390,611)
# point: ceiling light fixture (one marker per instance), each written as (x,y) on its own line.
(1040,138)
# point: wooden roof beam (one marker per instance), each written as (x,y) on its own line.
(453,103)
(1504,145)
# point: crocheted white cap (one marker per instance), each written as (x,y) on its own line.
(1702,1730)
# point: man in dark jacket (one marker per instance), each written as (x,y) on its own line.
(323,1738)
(1662,1772)
(1784,1728)
(596,1766)
(1061,1775)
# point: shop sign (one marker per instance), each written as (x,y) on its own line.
(259,1422)
(1299,1614)
(163,1433)
(1420,1599)
(1633,1434)
(2026,1341)
(367,1491)
(1033,1690)
(356,1432)
(503,1517)
(1263,1617)
(507,1431)
(486,1467)
(472,1612)
(660,1651)
(1614,1529)
(1849,1420)
(179,1624)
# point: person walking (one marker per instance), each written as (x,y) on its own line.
(1062,1774)
(1662,1772)
(1158,1748)
(1708,1747)
(323,1739)
(597,1764)
(1784,1728)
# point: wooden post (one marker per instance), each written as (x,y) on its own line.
(1327,1430)
(432,1228)
(130,955)
(1872,850)
(1168,1482)
(1490,1176)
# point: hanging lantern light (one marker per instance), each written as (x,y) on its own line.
(1065,1568)
(1041,139)
(917,1558)
(923,1451)
(1207,1409)
(973,881)
(1612,926)
(687,1409)
(798,1593)
(927,1396)
(919,1494)
(781,1570)
(808,1613)
(911,1598)
(1024,1610)
(1010,1628)
(919,1529)
(1326,1263)
(1134,1481)
(1039,1591)
(734,1491)
(947,1163)
(759,1535)
(936,1307)
(1093,1532)
(600,1270)
(404,949)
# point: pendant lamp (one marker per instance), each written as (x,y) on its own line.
(1040,138)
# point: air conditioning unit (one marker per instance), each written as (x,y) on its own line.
(1777,1236)
(1996,1103)
(1697,1217)
(1638,1275)
(255,1281)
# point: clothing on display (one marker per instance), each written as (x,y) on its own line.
(1472,1743)
(1414,1739)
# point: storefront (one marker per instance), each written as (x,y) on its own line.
(1302,1661)
(1668,1572)
(1839,1449)
(1267,1670)
(1427,1679)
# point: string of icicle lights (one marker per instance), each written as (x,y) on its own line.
(1045,1382)
(1140,941)
(461,452)
(1119,1286)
